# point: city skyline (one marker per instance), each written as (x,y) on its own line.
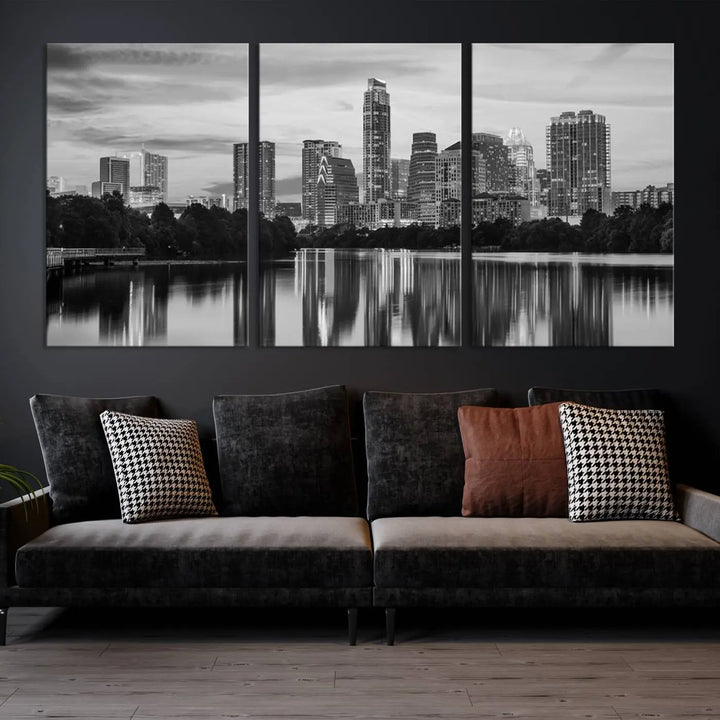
(101,101)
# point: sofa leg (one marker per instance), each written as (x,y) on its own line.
(390,625)
(3,624)
(352,625)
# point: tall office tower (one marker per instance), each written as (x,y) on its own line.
(312,151)
(497,161)
(116,170)
(542,178)
(336,186)
(448,181)
(421,175)
(399,175)
(155,172)
(376,141)
(578,158)
(521,157)
(241,162)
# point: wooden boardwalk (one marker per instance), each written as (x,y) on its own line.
(57,260)
(142,664)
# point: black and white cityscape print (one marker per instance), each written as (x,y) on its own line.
(359,181)
(573,194)
(145,245)
(359,149)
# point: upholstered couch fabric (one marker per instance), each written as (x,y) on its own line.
(309,552)
(629,399)
(285,454)
(434,552)
(77,460)
(415,457)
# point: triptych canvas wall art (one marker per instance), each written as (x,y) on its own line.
(360,239)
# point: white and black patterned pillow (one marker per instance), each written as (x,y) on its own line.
(616,464)
(158,467)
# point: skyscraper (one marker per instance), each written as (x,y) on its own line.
(376,141)
(421,175)
(336,186)
(448,183)
(241,162)
(578,158)
(312,151)
(115,170)
(521,157)
(399,174)
(497,161)
(155,172)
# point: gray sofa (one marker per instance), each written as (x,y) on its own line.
(413,549)
(288,533)
(425,554)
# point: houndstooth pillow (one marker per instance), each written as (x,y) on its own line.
(616,464)
(158,467)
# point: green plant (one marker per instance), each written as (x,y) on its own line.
(22,481)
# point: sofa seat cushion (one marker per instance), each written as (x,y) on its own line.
(240,552)
(458,552)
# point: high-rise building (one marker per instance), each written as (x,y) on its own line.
(55,184)
(578,158)
(116,171)
(241,162)
(376,141)
(312,151)
(155,172)
(336,185)
(498,168)
(421,175)
(448,182)
(399,176)
(542,179)
(523,164)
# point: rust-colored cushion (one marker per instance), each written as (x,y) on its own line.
(514,462)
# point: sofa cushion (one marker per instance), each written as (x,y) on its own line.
(616,464)
(199,553)
(286,454)
(514,462)
(158,466)
(77,461)
(541,552)
(415,458)
(628,399)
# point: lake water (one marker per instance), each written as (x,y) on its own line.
(331,297)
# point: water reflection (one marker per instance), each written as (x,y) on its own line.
(328,297)
(573,300)
(198,304)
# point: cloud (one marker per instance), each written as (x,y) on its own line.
(219,188)
(105,138)
(289,185)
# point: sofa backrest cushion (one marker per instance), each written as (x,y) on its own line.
(628,399)
(77,460)
(414,451)
(286,454)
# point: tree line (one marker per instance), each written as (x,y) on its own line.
(217,234)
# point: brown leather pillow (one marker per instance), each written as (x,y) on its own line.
(514,462)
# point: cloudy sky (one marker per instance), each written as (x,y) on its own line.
(189,102)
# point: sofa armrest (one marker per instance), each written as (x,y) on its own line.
(699,510)
(21,520)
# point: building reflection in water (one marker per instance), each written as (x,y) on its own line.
(150,305)
(328,297)
(575,302)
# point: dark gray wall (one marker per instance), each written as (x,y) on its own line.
(185,379)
